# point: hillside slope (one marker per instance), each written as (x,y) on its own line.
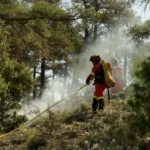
(76,128)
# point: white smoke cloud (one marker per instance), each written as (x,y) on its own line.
(82,68)
(115,44)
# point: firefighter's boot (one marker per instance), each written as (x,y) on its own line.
(101,104)
(94,105)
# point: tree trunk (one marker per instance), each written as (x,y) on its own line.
(53,82)
(95,33)
(34,76)
(65,80)
(125,70)
(42,85)
(95,26)
(86,35)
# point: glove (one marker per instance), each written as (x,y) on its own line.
(88,81)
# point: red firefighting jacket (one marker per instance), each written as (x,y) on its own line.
(97,74)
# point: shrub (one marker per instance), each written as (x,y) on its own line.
(16,83)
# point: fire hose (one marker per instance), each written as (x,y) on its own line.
(25,124)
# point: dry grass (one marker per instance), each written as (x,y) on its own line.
(76,128)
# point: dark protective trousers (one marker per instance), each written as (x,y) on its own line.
(97,104)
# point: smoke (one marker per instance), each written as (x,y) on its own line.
(50,96)
(115,44)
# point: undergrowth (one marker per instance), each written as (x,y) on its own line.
(78,129)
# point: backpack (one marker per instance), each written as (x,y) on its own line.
(108,75)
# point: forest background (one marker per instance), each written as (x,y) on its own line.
(45,50)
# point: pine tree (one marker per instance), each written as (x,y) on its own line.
(139,121)
(15,83)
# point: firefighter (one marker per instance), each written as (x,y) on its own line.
(117,90)
(97,74)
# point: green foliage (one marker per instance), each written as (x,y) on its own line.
(46,10)
(139,120)
(36,142)
(144,145)
(140,32)
(37,30)
(109,13)
(143,72)
(14,10)
(7,8)
(16,83)
(14,120)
